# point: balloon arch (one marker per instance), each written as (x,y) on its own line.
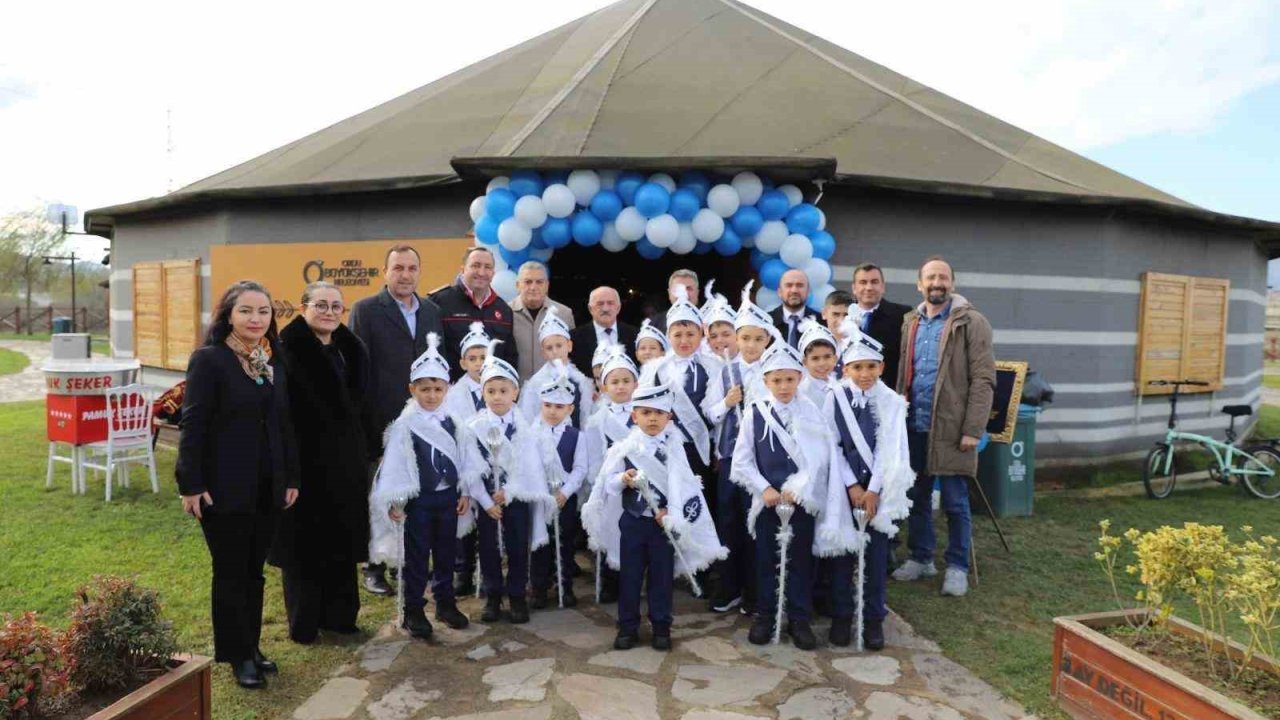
(529,215)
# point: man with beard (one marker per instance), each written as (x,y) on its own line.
(793,288)
(947,374)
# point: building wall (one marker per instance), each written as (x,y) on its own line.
(1060,285)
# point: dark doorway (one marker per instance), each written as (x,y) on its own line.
(577,270)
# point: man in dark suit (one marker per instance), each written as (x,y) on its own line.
(603,304)
(876,316)
(393,326)
(793,288)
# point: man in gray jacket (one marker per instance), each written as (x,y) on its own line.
(527,311)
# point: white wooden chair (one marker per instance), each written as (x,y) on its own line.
(73,459)
(128,439)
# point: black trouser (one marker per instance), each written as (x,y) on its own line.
(430,541)
(542,571)
(238,545)
(320,594)
(738,571)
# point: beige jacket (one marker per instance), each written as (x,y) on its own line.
(526,334)
(963,392)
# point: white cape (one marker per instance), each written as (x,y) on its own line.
(530,395)
(519,459)
(808,450)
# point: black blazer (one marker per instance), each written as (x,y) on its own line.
(220,445)
(885,325)
(379,324)
(780,322)
(584,343)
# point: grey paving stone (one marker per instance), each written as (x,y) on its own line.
(520,680)
(804,663)
(481,652)
(821,703)
(712,649)
(377,657)
(337,699)
(569,627)
(714,685)
(870,669)
(402,702)
(962,689)
(539,712)
(603,698)
(644,660)
(890,706)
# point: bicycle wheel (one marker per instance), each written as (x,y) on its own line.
(1266,487)
(1159,483)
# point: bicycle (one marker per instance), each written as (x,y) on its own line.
(1257,466)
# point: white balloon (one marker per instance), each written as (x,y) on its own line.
(504,283)
(820,295)
(822,220)
(514,236)
(611,240)
(499,182)
(663,230)
(724,200)
(708,227)
(477,209)
(584,184)
(685,240)
(541,254)
(530,211)
(793,193)
(796,251)
(665,180)
(499,264)
(748,186)
(608,179)
(767,299)
(558,200)
(771,235)
(818,271)
(630,224)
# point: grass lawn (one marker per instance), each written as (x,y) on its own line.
(1271,381)
(51,542)
(12,362)
(97,343)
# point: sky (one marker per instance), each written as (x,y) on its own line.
(103,103)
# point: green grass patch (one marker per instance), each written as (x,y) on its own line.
(97,343)
(1003,630)
(51,542)
(12,361)
(1271,381)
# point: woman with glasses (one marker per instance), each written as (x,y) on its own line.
(326,535)
(238,465)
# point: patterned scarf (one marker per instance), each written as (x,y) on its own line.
(256,361)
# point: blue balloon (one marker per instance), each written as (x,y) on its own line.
(729,244)
(698,182)
(758,258)
(606,205)
(500,204)
(747,221)
(774,205)
(514,258)
(557,232)
(555,177)
(984,441)
(684,205)
(587,228)
(771,272)
(803,219)
(526,182)
(487,229)
(648,250)
(627,184)
(702,248)
(652,200)
(824,245)
(538,242)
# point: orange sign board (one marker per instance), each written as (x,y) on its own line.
(355,267)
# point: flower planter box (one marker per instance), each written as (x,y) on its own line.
(1096,677)
(180,694)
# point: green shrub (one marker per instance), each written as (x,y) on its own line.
(117,638)
(33,674)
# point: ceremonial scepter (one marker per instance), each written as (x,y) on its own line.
(556,483)
(642,486)
(785,511)
(860,519)
(495,441)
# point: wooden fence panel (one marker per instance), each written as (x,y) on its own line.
(1182,331)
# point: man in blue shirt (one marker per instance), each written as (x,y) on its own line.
(948,374)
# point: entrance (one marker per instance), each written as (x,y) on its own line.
(642,284)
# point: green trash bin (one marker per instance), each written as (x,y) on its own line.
(61,324)
(1007,471)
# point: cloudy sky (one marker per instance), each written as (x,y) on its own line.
(102,103)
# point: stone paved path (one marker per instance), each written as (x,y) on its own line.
(28,384)
(562,665)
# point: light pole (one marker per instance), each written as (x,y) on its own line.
(64,215)
(48,260)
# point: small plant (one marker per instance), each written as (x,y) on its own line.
(1220,577)
(117,638)
(33,675)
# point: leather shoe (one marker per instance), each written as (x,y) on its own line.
(539,600)
(447,613)
(625,640)
(570,600)
(761,631)
(464,585)
(661,639)
(492,610)
(873,635)
(802,636)
(375,582)
(608,595)
(416,622)
(841,632)
(519,611)
(248,675)
(264,665)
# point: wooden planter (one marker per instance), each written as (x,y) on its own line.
(180,694)
(1096,677)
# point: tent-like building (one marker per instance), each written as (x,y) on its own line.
(1096,280)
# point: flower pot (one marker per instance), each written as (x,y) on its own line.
(182,693)
(1096,677)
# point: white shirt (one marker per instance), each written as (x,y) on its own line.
(410,315)
(572,478)
(812,444)
(461,400)
(605,339)
(863,314)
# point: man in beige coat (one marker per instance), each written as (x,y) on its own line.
(947,373)
(527,311)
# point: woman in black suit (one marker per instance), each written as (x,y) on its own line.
(323,538)
(237,465)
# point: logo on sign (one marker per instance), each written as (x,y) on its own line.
(350,273)
(1017,449)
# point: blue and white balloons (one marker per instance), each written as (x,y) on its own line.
(748,186)
(684,205)
(526,182)
(747,221)
(824,245)
(773,205)
(794,196)
(685,241)
(498,182)
(767,299)
(587,229)
(610,240)
(584,184)
(504,283)
(477,209)
(606,205)
(708,226)
(729,243)
(662,231)
(771,272)
(530,212)
(487,230)
(652,200)
(771,235)
(819,273)
(514,236)
(648,250)
(804,219)
(557,232)
(630,224)
(667,182)
(724,200)
(796,251)
(500,204)
(558,200)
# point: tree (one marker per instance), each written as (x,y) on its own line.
(25,238)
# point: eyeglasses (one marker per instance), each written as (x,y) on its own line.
(324,307)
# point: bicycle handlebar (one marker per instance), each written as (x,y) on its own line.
(1198,383)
